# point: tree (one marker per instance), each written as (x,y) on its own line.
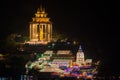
(58,36)
(10,41)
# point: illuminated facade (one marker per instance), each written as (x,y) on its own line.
(62,62)
(63,58)
(80,56)
(40,27)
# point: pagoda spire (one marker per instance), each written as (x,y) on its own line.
(41,9)
(80,48)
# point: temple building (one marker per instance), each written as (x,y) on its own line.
(63,58)
(40,27)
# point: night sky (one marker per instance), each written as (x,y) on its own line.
(94,23)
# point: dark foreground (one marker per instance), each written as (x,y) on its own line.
(47,77)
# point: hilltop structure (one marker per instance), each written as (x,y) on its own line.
(40,28)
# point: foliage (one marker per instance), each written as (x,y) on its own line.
(58,36)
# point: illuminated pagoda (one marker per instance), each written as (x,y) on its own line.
(80,56)
(40,27)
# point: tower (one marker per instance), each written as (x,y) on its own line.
(80,56)
(40,27)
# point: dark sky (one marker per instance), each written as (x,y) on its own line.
(94,23)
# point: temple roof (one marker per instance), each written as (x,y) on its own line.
(41,12)
(41,15)
(80,49)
